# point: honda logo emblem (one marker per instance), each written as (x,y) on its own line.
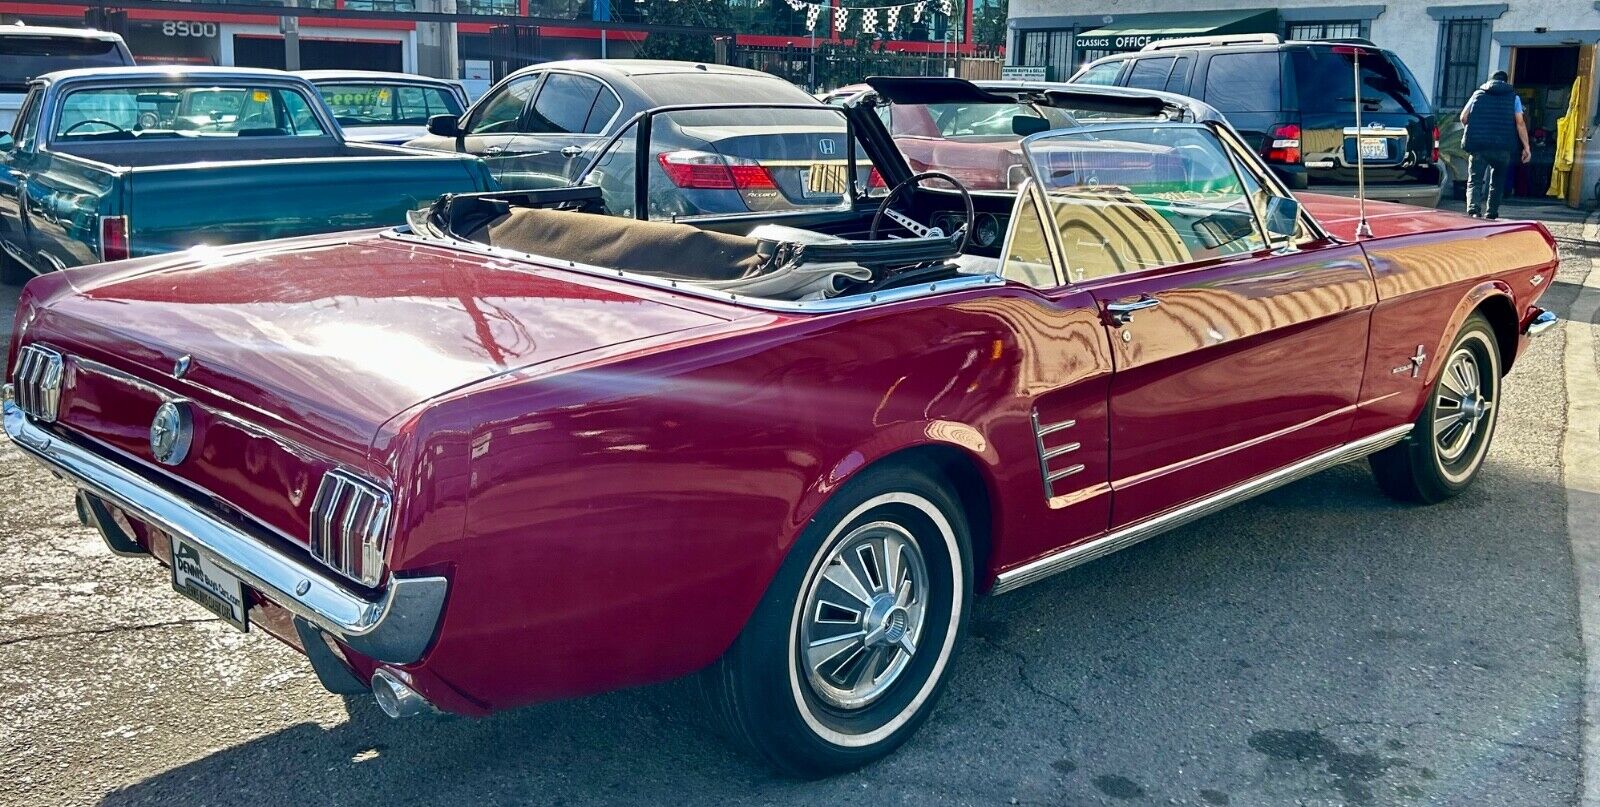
(827,146)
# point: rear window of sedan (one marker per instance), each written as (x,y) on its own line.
(387,104)
(670,89)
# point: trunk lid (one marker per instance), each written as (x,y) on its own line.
(344,336)
(299,352)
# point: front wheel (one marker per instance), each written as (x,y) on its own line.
(848,651)
(1451,437)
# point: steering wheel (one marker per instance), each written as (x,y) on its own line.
(886,208)
(87,121)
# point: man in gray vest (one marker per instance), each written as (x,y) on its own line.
(1495,129)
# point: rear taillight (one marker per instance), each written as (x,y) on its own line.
(702,170)
(1283,144)
(875,179)
(113,238)
(1435,144)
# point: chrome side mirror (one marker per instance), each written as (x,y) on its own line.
(1283,219)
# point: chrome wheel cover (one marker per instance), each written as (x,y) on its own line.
(863,615)
(1463,406)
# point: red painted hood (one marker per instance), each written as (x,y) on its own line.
(339,336)
(1340,214)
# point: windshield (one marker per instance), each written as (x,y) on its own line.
(377,104)
(1131,197)
(171,111)
(23,58)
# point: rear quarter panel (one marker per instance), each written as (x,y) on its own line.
(65,199)
(625,518)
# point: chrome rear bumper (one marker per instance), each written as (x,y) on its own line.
(396,628)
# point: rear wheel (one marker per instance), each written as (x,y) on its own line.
(1451,437)
(850,648)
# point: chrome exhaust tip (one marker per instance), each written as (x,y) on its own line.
(395,698)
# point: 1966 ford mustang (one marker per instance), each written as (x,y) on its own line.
(544,444)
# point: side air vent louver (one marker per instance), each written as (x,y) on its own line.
(350,526)
(1055,464)
(36,382)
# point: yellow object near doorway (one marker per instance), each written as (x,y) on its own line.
(1567,129)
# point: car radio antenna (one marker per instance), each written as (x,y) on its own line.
(1363,228)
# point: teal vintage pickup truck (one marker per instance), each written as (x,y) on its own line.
(114,163)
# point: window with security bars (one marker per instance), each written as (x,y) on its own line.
(1333,29)
(1052,49)
(1461,62)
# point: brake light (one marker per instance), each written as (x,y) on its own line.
(113,238)
(875,179)
(702,170)
(1435,144)
(1283,144)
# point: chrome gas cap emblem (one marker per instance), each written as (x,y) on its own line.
(180,368)
(171,432)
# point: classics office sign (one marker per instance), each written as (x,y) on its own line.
(1117,42)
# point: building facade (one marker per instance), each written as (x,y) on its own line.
(1548,47)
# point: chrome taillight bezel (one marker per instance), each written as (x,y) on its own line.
(349,526)
(36,380)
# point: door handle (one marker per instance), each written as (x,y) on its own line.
(493,150)
(1122,313)
(571,151)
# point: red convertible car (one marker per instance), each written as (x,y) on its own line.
(543,444)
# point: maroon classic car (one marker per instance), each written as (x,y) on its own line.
(543,444)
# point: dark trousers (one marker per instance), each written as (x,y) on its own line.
(1487,175)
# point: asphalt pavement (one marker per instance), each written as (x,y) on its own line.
(1319,645)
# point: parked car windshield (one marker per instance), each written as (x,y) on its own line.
(377,104)
(156,111)
(1128,197)
(24,58)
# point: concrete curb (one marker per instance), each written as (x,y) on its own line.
(1580,475)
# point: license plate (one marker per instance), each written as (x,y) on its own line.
(1374,148)
(825,179)
(196,576)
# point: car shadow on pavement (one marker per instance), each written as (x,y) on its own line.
(1318,642)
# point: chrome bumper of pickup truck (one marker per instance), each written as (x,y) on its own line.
(396,628)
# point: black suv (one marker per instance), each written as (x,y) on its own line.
(1293,100)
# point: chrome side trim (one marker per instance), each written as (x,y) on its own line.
(1065,559)
(396,627)
(1063,473)
(1051,428)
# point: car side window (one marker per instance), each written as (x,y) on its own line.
(1126,198)
(563,104)
(502,112)
(1244,82)
(1102,74)
(27,121)
(605,108)
(1178,80)
(1150,74)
